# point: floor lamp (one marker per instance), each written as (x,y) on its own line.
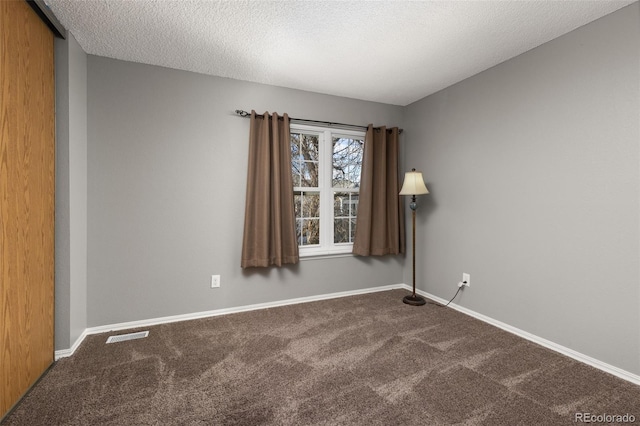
(414,185)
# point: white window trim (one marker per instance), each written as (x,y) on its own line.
(325,188)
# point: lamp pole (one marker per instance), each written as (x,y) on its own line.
(414,299)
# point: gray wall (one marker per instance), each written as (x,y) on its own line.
(167,171)
(71,192)
(533,168)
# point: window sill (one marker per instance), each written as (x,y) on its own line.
(322,256)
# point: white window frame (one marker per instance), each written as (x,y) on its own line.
(326,247)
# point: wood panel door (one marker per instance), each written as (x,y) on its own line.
(27,159)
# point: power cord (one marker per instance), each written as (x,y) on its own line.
(460,285)
(454,296)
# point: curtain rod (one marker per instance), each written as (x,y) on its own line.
(246,114)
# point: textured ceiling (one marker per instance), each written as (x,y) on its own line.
(394,52)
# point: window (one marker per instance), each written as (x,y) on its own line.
(326,165)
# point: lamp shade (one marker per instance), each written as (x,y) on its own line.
(413,184)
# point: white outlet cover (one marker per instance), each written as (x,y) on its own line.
(466,278)
(215,281)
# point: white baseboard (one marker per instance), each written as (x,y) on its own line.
(607,368)
(185,317)
(68,352)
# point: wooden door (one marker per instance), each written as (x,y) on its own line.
(27,158)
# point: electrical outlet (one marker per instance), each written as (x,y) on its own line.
(215,281)
(466,279)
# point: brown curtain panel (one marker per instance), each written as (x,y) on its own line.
(380,221)
(269,219)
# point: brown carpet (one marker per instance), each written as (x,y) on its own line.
(361,360)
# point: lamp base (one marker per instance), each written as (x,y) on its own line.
(414,300)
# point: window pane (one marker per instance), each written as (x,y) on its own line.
(297,204)
(353,204)
(309,174)
(339,204)
(307,210)
(295,147)
(347,162)
(341,231)
(306,204)
(345,208)
(304,160)
(353,230)
(296,168)
(345,204)
(311,205)
(310,232)
(309,147)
